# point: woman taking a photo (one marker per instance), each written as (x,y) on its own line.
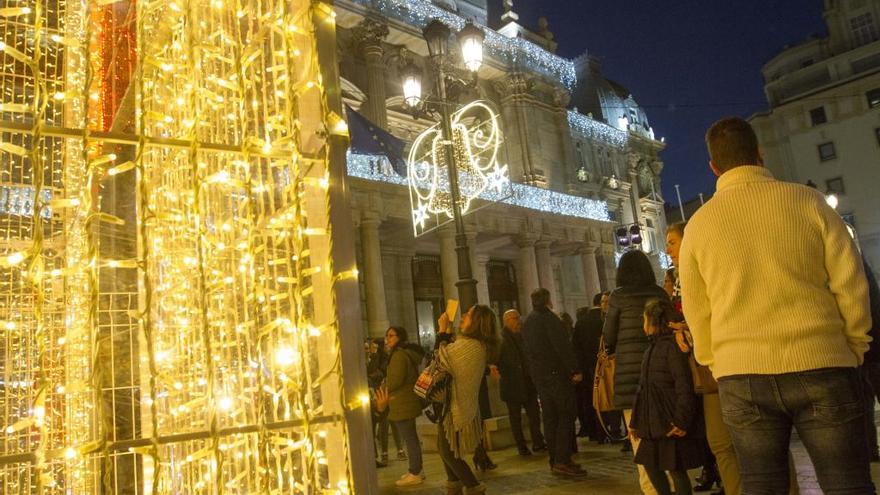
(460,432)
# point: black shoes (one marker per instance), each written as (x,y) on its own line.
(524,451)
(570,470)
(627,446)
(539,448)
(707,479)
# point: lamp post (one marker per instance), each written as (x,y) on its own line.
(470,38)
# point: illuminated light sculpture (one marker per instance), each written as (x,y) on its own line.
(477,141)
(167,294)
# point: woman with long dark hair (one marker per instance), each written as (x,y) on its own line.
(460,432)
(404,405)
(624,334)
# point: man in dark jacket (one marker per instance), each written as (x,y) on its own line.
(585,341)
(517,389)
(555,372)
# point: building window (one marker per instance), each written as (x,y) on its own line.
(835,186)
(873,97)
(827,152)
(817,116)
(863,29)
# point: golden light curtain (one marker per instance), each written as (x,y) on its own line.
(167,306)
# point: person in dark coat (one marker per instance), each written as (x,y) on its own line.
(665,416)
(555,372)
(585,342)
(624,336)
(871,367)
(517,389)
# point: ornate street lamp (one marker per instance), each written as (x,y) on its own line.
(470,38)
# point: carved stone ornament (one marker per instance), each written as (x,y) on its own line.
(369,33)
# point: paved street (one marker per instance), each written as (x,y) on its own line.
(610,472)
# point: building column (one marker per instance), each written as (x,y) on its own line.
(544,264)
(592,285)
(635,195)
(482,276)
(526,272)
(608,268)
(369,36)
(448,262)
(407,293)
(374,284)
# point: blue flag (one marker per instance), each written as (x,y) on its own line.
(369,139)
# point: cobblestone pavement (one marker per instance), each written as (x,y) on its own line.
(609,472)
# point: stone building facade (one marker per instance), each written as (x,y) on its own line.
(823,124)
(570,136)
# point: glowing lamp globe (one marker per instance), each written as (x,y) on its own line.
(471,40)
(412,85)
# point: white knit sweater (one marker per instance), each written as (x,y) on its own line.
(771,280)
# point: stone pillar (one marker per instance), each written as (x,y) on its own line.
(633,170)
(592,285)
(544,264)
(448,262)
(407,295)
(482,276)
(526,272)
(369,35)
(570,162)
(374,284)
(608,268)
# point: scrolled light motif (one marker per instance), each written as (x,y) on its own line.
(476,142)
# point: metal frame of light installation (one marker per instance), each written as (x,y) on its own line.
(232,354)
(419,13)
(373,168)
(597,131)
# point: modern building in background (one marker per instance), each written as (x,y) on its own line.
(823,125)
(570,136)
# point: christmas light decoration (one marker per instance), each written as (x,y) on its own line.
(476,141)
(514,51)
(597,131)
(167,302)
(375,168)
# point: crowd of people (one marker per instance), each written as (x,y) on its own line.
(768,322)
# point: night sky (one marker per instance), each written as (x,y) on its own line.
(688,63)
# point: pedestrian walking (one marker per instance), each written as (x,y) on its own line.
(555,372)
(665,419)
(404,405)
(517,389)
(774,291)
(461,431)
(625,335)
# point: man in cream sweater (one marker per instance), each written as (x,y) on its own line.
(775,295)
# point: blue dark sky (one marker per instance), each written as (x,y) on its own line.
(688,62)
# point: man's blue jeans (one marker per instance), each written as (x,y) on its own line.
(826,408)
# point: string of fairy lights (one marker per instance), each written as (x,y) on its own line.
(204,137)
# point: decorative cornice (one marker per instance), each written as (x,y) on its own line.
(369,33)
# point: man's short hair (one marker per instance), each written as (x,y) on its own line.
(597,299)
(732,142)
(540,298)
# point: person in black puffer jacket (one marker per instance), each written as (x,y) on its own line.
(624,336)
